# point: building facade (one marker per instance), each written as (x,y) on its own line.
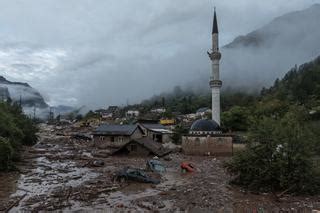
(156,132)
(115,136)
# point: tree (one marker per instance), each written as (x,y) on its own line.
(6,154)
(178,132)
(16,129)
(279,156)
(236,119)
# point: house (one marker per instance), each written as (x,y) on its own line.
(191,116)
(113,111)
(100,111)
(156,132)
(115,135)
(202,112)
(103,113)
(158,110)
(132,113)
(142,147)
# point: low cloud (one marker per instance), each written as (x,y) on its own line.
(98,53)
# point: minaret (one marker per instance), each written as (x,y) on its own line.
(215,82)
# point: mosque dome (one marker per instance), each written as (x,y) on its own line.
(204,126)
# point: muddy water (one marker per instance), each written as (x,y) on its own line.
(8,185)
(56,175)
(47,177)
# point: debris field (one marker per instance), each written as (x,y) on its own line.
(63,174)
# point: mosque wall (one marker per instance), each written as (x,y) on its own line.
(207,145)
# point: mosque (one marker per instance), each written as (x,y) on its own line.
(205,136)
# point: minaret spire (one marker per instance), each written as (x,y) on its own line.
(215,23)
(215,82)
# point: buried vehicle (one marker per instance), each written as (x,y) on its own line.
(187,167)
(134,175)
(156,166)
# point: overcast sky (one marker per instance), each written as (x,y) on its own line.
(102,52)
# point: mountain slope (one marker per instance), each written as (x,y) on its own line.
(292,27)
(256,59)
(300,85)
(16,91)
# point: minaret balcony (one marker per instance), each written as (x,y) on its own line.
(215,83)
(214,55)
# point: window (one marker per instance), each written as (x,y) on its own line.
(112,139)
(158,138)
(120,139)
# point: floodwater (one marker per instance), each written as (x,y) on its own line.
(57,175)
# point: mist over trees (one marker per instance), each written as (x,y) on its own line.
(282,150)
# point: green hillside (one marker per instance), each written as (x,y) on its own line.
(299,86)
(282,150)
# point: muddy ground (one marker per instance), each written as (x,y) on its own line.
(58,174)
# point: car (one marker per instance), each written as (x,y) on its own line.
(132,174)
(156,166)
(187,167)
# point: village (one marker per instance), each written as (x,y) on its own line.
(75,166)
(154,159)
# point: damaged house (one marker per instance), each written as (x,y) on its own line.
(116,136)
(156,132)
(142,147)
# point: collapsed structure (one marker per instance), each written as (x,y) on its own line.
(142,139)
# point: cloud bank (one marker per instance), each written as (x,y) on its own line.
(98,53)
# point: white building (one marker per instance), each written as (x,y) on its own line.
(132,113)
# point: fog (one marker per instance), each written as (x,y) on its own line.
(99,53)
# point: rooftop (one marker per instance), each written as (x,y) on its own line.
(154,147)
(204,125)
(107,129)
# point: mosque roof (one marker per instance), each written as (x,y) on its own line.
(204,125)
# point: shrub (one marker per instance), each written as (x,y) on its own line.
(6,154)
(279,156)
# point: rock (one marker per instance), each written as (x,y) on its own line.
(161,205)
(120,205)
(167,158)
(98,163)
(102,154)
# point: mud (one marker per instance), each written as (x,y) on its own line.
(58,174)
